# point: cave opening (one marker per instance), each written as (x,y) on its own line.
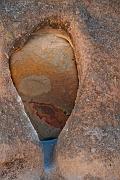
(45,75)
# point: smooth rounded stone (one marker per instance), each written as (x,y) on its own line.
(45,75)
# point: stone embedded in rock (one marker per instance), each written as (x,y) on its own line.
(45,75)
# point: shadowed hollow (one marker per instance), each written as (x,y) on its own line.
(45,76)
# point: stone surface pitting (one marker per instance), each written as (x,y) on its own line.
(89,144)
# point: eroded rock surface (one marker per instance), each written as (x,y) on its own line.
(89,144)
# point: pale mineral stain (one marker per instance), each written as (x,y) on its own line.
(35,85)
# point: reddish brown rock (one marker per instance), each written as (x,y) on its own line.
(89,144)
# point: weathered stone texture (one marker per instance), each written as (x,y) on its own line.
(89,144)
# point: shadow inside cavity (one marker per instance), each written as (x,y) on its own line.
(48,151)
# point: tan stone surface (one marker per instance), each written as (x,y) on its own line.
(89,146)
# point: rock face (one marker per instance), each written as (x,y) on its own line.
(45,75)
(89,145)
